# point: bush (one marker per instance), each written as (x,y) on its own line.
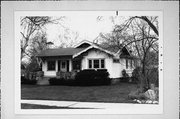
(102,73)
(39,73)
(124,74)
(62,81)
(92,77)
(27,81)
(88,77)
(125,77)
(86,74)
(135,75)
(65,75)
(153,76)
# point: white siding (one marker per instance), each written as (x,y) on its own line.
(112,68)
(46,72)
(116,70)
(129,70)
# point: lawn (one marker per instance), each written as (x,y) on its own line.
(112,93)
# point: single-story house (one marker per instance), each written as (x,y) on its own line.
(86,55)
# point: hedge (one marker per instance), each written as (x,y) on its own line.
(88,77)
(62,81)
(27,81)
(93,77)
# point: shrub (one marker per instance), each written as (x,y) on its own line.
(88,77)
(153,76)
(92,77)
(23,79)
(27,81)
(124,74)
(136,94)
(61,81)
(39,73)
(105,70)
(102,73)
(125,77)
(64,75)
(135,75)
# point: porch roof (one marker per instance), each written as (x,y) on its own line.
(60,52)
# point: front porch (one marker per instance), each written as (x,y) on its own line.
(52,66)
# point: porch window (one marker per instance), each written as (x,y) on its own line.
(96,63)
(51,65)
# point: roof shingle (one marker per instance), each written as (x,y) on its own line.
(60,52)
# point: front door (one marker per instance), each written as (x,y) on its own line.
(64,66)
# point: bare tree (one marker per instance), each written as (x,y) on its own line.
(30,27)
(152,24)
(145,46)
(138,36)
(68,38)
(38,43)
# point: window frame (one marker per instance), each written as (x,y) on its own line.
(54,65)
(116,60)
(99,63)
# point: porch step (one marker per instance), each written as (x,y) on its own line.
(43,81)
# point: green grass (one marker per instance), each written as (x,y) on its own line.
(113,93)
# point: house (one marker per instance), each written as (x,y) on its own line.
(86,55)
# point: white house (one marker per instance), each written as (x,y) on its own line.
(86,55)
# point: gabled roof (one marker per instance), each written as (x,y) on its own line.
(114,49)
(60,52)
(80,48)
(82,43)
(91,47)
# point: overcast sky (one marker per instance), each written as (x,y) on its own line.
(81,26)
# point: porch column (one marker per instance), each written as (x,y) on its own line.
(44,66)
(70,65)
(56,65)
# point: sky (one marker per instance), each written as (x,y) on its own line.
(84,27)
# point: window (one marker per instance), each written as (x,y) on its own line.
(51,65)
(102,63)
(90,64)
(96,63)
(126,63)
(116,60)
